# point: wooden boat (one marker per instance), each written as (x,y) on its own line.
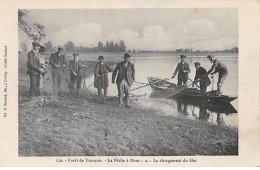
(158,84)
(166,89)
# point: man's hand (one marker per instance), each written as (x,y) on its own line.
(41,70)
(57,66)
(75,74)
(63,66)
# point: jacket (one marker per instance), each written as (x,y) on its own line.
(119,71)
(201,74)
(55,59)
(33,64)
(100,72)
(183,71)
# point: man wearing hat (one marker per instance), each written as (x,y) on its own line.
(183,69)
(34,69)
(201,76)
(58,63)
(101,78)
(75,74)
(125,73)
(220,68)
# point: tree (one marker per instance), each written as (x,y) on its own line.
(116,47)
(34,32)
(111,47)
(24,46)
(122,47)
(100,46)
(70,46)
(48,46)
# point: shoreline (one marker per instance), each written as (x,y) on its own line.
(88,126)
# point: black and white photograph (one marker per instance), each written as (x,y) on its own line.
(128,82)
(144,83)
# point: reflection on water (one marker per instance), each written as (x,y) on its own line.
(164,67)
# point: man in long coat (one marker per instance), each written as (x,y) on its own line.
(101,78)
(35,69)
(125,73)
(58,63)
(183,70)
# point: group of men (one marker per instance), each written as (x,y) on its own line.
(183,70)
(124,73)
(37,68)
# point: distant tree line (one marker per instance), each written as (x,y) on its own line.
(71,47)
(190,50)
(121,47)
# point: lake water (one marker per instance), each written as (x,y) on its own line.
(164,67)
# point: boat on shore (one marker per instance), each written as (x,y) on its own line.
(165,89)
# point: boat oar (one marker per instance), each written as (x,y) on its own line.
(142,86)
(195,83)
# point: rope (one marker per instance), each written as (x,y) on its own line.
(140,82)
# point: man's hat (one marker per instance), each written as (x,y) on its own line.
(126,55)
(183,56)
(42,49)
(75,54)
(36,43)
(101,57)
(60,48)
(196,63)
(210,56)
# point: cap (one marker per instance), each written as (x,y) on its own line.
(101,57)
(210,56)
(36,43)
(126,55)
(197,63)
(75,54)
(183,56)
(42,49)
(60,47)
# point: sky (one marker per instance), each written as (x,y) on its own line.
(140,29)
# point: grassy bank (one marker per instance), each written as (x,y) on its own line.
(87,126)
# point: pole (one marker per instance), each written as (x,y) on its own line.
(142,86)
(212,82)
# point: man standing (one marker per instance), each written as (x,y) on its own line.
(183,69)
(125,73)
(75,74)
(219,68)
(34,69)
(201,76)
(58,63)
(101,79)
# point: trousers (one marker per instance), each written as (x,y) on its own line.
(56,80)
(222,75)
(34,85)
(123,88)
